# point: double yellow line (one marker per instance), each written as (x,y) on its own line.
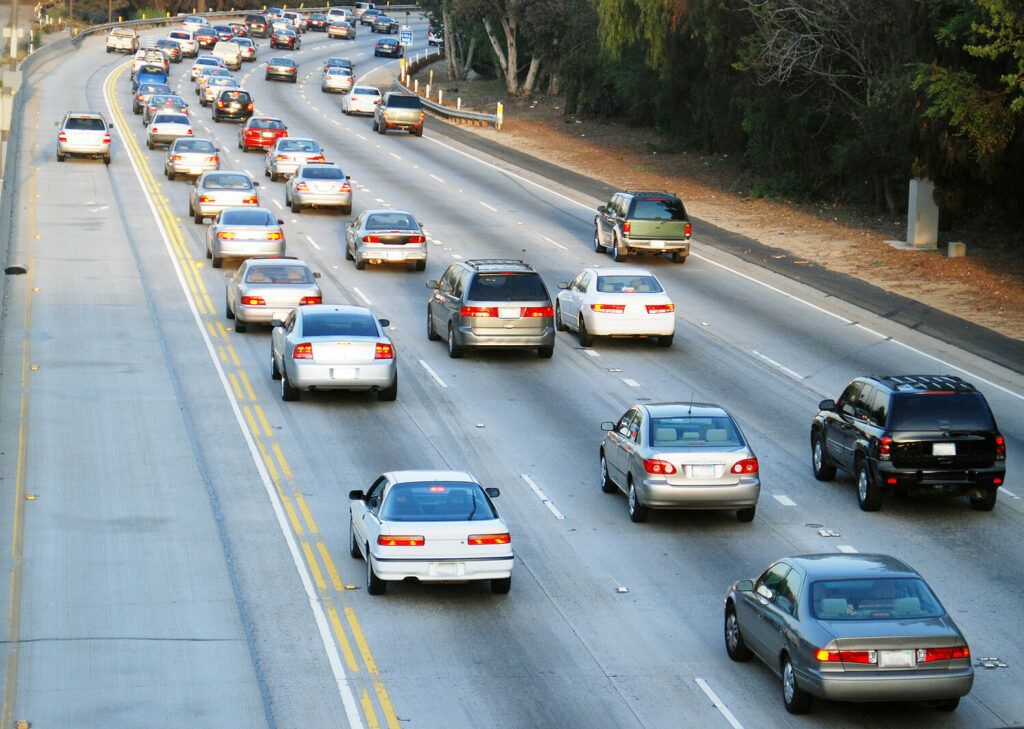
(330,588)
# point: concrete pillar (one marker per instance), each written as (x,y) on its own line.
(922,216)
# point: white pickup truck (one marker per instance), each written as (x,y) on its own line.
(125,40)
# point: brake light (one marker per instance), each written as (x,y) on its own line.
(608,308)
(253,301)
(660,308)
(1000,447)
(307,300)
(276,235)
(384,351)
(846,656)
(176,158)
(205,198)
(747,465)
(661,468)
(225,235)
(371,239)
(885,446)
(189,131)
(249,108)
(927,655)
(62,137)
(281,157)
(625,227)
(687,230)
(345,187)
(478,311)
(488,539)
(318,158)
(301,186)
(220,104)
(251,200)
(385,540)
(536,311)
(155,130)
(213,159)
(303,351)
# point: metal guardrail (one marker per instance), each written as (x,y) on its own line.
(459,115)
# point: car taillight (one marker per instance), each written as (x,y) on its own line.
(846,656)
(152,108)
(661,468)
(220,104)
(660,308)
(687,230)
(141,97)
(1000,448)
(318,158)
(281,157)
(625,227)
(303,351)
(225,235)
(189,130)
(205,198)
(307,300)
(535,311)
(385,540)
(489,538)
(371,239)
(301,186)
(608,308)
(249,108)
(412,238)
(155,129)
(62,137)
(253,301)
(747,465)
(478,311)
(884,446)
(176,158)
(927,655)
(384,351)
(278,235)
(215,160)
(421,116)
(252,200)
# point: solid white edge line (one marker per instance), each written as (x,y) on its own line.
(1009,493)
(784,500)
(323,627)
(791,373)
(717,703)
(540,494)
(430,371)
(362,296)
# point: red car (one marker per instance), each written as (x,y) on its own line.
(260,133)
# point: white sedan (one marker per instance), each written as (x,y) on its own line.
(360,100)
(619,301)
(429,526)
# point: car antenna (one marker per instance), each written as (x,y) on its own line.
(690,410)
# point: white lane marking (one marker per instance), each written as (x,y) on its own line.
(591,353)
(846,549)
(1009,493)
(784,500)
(791,373)
(361,295)
(871,331)
(312,242)
(540,494)
(631,383)
(438,179)
(341,679)
(394,155)
(456,256)
(493,210)
(555,243)
(360,136)
(278,203)
(430,371)
(717,703)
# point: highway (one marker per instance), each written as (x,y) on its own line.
(178,535)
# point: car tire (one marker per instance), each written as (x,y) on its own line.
(374,125)
(618,252)
(546,351)
(288,393)
(501,585)
(170,175)
(227,308)
(559,324)
(637,511)
(869,493)
(149,143)
(389,393)
(665,340)
(598,246)
(823,470)
(794,698)
(586,338)
(275,373)
(421,265)
(198,218)
(296,208)
(607,485)
(945,704)
(241,326)
(348,254)
(745,516)
(374,584)
(360,264)
(679,258)
(347,210)
(61,157)
(216,118)
(275,177)
(432,334)
(735,646)
(455,350)
(353,545)
(418,132)
(382,129)
(986,502)
(106,159)
(218,261)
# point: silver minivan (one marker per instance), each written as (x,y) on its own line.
(85,134)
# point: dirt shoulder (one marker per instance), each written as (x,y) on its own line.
(986,287)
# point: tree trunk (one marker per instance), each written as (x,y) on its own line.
(508,62)
(531,76)
(450,49)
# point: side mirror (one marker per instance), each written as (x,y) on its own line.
(431,284)
(600,208)
(280,222)
(316,274)
(492,492)
(385,322)
(348,177)
(744,586)
(607,426)
(563,284)
(110,127)
(356,495)
(276,323)
(827,405)
(255,183)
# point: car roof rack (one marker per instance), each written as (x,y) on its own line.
(922,383)
(651,192)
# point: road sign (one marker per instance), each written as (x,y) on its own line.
(405,36)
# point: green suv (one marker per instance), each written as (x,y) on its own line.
(643,222)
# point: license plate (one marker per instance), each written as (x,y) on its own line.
(195,170)
(896,659)
(395,255)
(447,569)
(267,135)
(703,471)
(508,312)
(943,449)
(344,373)
(657,244)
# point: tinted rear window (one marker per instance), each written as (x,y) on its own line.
(661,208)
(279,275)
(893,598)
(194,145)
(298,145)
(90,124)
(507,287)
(390,221)
(247,217)
(437,501)
(332,323)
(170,119)
(952,411)
(404,102)
(266,124)
(228,182)
(323,173)
(628,285)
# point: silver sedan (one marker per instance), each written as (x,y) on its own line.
(166,127)
(243,232)
(288,153)
(337,78)
(360,100)
(190,156)
(386,235)
(214,191)
(264,289)
(679,455)
(319,184)
(329,346)
(849,627)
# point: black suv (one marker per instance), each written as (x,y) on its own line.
(232,104)
(491,303)
(926,434)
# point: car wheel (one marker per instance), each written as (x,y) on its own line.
(455,350)
(945,704)
(274,177)
(381,129)
(106,159)
(374,584)
(353,545)
(389,393)
(218,261)
(61,157)
(347,210)
(275,374)
(586,339)
(869,493)
(735,646)
(170,175)
(501,585)
(665,340)
(216,117)
(360,264)
(679,257)
(198,217)
(348,253)
(986,502)
(618,252)
(607,485)
(227,308)
(421,265)
(149,143)
(559,324)
(823,470)
(240,326)
(746,516)
(266,172)
(637,511)
(296,208)
(546,352)
(796,700)
(432,334)
(418,132)
(598,246)
(288,393)
(374,125)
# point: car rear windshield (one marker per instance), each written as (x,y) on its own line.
(266,124)
(227,182)
(298,145)
(437,501)
(194,145)
(940,411)
(159,70)
(153,88)
(507,287)
(887,598)
(235,96)
(628,285)
(323,173)
(170,119)
(279,275)
(339,324)
(695,432)
(658,208)
(247,217)
(85,123)
(404,102)
(390,221)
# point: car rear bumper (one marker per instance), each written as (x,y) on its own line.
(438,570)
(162,138)
(506,338)
(944,482)
(341,376)
(657,246)
(92,149)
(247,248)
(336,85)
(392,253)
(616,325)
(209,210)
(890,686)
(322,199)
(184,168)
(279,74)
(660,495)
(262,314)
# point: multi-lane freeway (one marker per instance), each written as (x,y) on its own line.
(176,536)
